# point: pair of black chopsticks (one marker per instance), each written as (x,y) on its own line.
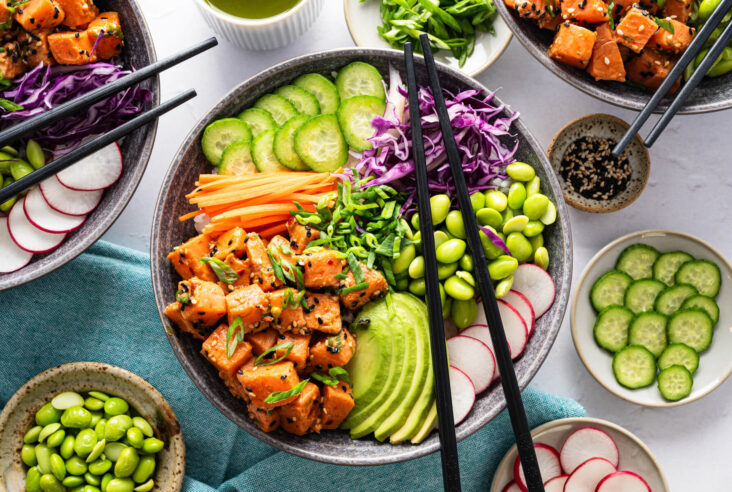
(450,464)
(695,47)
(62,111)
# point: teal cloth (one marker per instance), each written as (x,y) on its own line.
(100,307)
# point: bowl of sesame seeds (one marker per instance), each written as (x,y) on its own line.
(592,179)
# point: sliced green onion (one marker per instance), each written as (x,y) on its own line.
(278,396)
(340,373)
(238,324)
(287,347)
(354,288)
(221,269)
(324,378)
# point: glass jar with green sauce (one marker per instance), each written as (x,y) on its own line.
(253,9)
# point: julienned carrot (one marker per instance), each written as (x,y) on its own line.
(274,230)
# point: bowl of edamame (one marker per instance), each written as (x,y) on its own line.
(94,425)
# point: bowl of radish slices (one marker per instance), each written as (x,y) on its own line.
(584,455)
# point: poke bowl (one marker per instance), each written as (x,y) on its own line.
(168,232)
(67,232)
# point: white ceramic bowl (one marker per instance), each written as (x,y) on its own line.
(634,455)
(715,363)
(263,34)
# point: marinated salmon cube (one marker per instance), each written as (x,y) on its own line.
(232,242)
(267,419)
(635,29)
(78,12)
(235,387)
(251,304)
(650,68)
(551,22)
(279,247)
(71,48)
(573,45)
(39,14)
(6,16)
(262,340)
(107,26)
(530,9)
(300,235)
(286,310)
(303,414)
(679,10)
(587,11)
(356,299)
(300,350)
(323,313)
(262,272)
(320,268)
(243,268)
(214,349)
(174,312)
(203,302)
(672,42)
(606,62)
(185,258)
(337,404)
(11,61)
(332,351)
(261,381)
(35,50)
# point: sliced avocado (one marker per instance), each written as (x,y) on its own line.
(430,423)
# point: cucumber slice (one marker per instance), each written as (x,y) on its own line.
(284,144)
(703,302)
(641,295)
(693,327)
(611,327)
(355,116)
(278,107)
(237,160)
(675,383)
(634,367)
(258,120)
(320,144)
(263,153)
(609,289)
(637,261)
(649,330)
(323,89)
(679,354)
(304,101)
(666,266)
(360,79)
(220,134)
(670,300)
(702,274)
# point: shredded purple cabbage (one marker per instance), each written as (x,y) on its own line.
(44,88)
(495,239)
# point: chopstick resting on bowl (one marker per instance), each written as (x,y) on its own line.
(695,47)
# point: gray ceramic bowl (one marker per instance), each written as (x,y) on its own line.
(713,94)
(136,149)
(167,232)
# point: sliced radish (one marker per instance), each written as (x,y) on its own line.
(586,443)
(68,201)
(482,333)
(95,172)
(511,487)
(549,466)
(29,237)
(463,394)
(623,481)
(12,258)
(523,306)
(41,215)
(474,358)
(556,484)
(586,476)
(536,284)
(514,327)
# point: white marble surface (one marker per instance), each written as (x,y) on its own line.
(689,190)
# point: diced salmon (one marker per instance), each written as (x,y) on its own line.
(279,247)
(78,12)
(6,16)
(267,419)
(243,269)
(288,316)
(635,29)
(203,302)
(510,3)
(303,414)
(174,312)
(675,42)
(573,45)
(551,22)
(35,50)
(337,404)
(107,26)
(185,258)
(11,62)
(262,271)
(300,350)
(587,11)
(323,313)
(650,68)
(332,351)
(606,62)
(261,381)
(214,349)
(231,242)
(320,268)
(235,387)
(251,304)
(377,287)
(71,48)
(531,9)
(262,340)
(39,14)
(300,235)
(678,9)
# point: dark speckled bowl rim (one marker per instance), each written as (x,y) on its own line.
(399,452)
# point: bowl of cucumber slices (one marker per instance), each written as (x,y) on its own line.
(648,320)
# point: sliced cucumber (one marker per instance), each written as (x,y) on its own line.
(304,101)
(284,144)
(679,354)
(649,331)
(258,120)
(666,266)
(609,289)
(237,160)
(360,79)
(220,134)
(611,327)
(323,89)
(278,107)
(320,144)
(675,383)
(634,367)
(693,327)
(703,302)
(641,295)
(263,153)
(702,274)
(670,300)
(637,261)
(355,116)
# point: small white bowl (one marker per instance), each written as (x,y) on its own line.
(715,363)
(262,34)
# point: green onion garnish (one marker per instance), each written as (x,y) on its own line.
(238,324)
(221,269)
(354,288)
(287,347)
(277,396)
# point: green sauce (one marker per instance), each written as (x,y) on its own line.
(253,9)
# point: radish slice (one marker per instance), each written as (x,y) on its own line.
(463,394)
(514,327)
(523,306)
(586,476)
(68,201)
(623,481)
(483,334)
(511,487)
(586,443)
(12,258)
(474,358)
(536,284)
(549,466)
(29,237)
(95,172)
(556,484)
(41,215)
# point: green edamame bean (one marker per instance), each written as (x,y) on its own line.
(10,150)
(113,450)
(443,296)
(76,466)
(446,308)
(97,451)
(536,242)
(49,483)
(76,417)
(35,155)
(145,487)
(135,437)
(504,287)
(520,171)
(143,425)
(466,262)
(127,463)
(145,469)
(541,258)
(402,284)
(508,214)
(67,399)
(516,195)
(115,406)
(406,255)
(47,415)
(120,485)
(720,68)
(496,200)
(418,287)
(706,8)
(67,447)
(92,479)
(440,238)
(85,442)
(533,228)
(502,267)
(519,246)
(152,445)
(463,313)
(20,169)
(99,395)
(73,481)
(466,276)
(91,488)
(416,268)
(477,201)
(43,458)
(96,418)
(550,216)
(444,270)
(56,439)
(31,436)
(490,250)
(101,428)
(7,205)
(407,230)
(58,467)
(48,430)
(100,467)
(534,186)
(33,480)
(451,251)
(116,427)
(455,225)
(108,477)
(459,289)
(28,455)
(489,217)
(415,221)
(515,224)
(440,206)
(535,206)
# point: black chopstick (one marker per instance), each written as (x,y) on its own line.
(446,428)
(696,45)
(62,111)
(511,389)
(92,146)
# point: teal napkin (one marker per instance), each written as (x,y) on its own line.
(100,307)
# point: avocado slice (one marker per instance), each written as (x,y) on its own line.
(430,423)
